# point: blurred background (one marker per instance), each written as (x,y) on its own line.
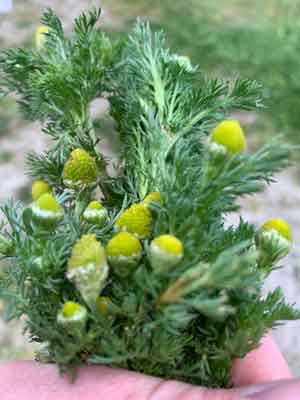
(254,38)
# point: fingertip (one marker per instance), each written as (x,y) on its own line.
(266,363)
(288,390)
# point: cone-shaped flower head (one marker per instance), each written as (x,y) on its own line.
(95,213)
(153,197)
(87,268)
(165,252)
(137,220)
(40,36)
(80,169)
(39,188)
(228,137)
(124,252)
(46,212)
(280,227)
(73,317)
(275,238)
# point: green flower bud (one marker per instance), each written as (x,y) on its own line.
(165,251)
(95,213)
(73,317)
(183,61)
(39,188)
(274,239)
(87,268)
(124,252)
(136,220)
(46,212)
(80,169)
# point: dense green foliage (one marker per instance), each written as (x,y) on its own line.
(258,40)
(189,322)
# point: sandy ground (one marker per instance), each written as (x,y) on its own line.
(280,200)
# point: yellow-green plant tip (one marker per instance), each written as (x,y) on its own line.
(169,244)
(87,268)
(80,169)
(280,226)
(153,197)
(230,135)
(70,309)
(165,252)
(40,36)
(103,304)
(95,213)
(38,189)
(136,220)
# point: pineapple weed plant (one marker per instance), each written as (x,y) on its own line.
(138,270)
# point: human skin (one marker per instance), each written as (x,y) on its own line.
(33,381)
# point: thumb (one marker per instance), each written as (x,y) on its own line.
(32,381)
(286,390)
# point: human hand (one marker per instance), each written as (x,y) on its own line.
(32,381)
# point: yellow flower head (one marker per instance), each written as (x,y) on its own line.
(46,212)
(80,169)
(40,36)
(47,202)
(230,135)
(153,197)
(39,188)
(123,244)
(73,317)
(165,252)
(136,220)
(87,251)
(279,226)
(95,213)
(169,244)
(70,309)
(95,205)
(124,252)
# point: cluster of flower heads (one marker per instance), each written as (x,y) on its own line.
(274,239)
(90,262)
